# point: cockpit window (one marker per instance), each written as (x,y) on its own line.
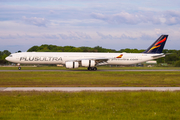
(10,55)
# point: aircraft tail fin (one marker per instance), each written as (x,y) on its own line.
(158,45)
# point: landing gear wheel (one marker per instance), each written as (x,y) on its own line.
(92,68)
(95,68)
(89,68)
(19,68)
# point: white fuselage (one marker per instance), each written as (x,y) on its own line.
(63,57)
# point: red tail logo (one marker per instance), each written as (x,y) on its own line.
(156,45)
(161,41)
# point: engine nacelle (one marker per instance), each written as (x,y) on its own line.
(88,63)
(72,64)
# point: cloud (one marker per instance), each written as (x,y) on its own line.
(83,35)
(75,36)
(9,36)
(127,18)
(104,36)
(51,37)
(172,17)
(146,37)
(101,22)
(40,22)
(111,37)
(99,16)
(86,11)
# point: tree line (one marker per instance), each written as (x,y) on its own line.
(54,48)
(173,58)
(3,55)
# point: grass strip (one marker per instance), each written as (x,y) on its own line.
(90,105)
(90,79)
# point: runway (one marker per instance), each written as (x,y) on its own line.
(78,89)
(66,70)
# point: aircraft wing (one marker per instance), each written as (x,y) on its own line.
(98,61)
(95,59)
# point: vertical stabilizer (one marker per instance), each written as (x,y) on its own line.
(158,45)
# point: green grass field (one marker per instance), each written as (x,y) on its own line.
(113,105)
(90,79)
(142,105)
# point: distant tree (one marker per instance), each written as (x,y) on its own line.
(120,51)
(76,50)
(171,51)
(51,47)
(134,51)
(171,58)
(68,48)
(34,48)
(140,51)
(3,62)
(6,52)
(3,56)
(99,49)
(178,52)
(59,49)
(127,50)
(43,48)
(165,51)
(86,49)
(177,63)
(160,60)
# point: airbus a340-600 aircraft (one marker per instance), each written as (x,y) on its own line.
(90,60)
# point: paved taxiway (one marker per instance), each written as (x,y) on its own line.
(77,89)
(66,70)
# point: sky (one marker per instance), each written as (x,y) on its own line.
(112,24)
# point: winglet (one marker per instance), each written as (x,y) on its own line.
(158,45)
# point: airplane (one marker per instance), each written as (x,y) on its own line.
(89,60)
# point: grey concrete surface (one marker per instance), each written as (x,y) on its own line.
(77,89)
(2,88)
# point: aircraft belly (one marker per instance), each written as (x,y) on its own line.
(125,62)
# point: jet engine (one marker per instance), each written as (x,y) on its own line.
(88,63)
(72,64)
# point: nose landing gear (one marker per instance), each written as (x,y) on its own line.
(19,68)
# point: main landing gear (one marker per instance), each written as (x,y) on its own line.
(92,68)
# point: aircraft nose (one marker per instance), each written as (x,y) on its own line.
(7,58)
